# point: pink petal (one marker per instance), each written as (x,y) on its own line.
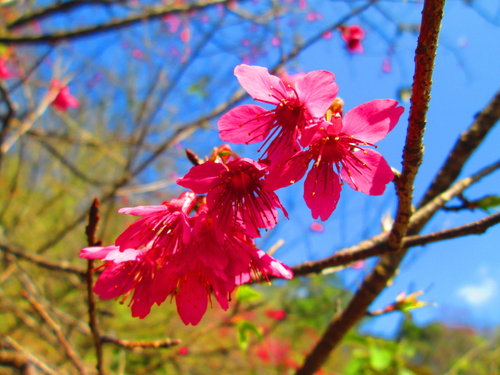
(371,121)
(116,279)
(259,84)
(317,90)
(192,300)
(201,178)
(322,190)
(97,252)
(143,299)
(289,172)
(245,124)
(142,210)
(274,267)
(370,179)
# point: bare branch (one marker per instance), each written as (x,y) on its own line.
(148,14)
(91,232)
(68,349)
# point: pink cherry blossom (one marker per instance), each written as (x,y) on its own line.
(295,105)
(5,72)
(353,35)
(339,143)
(166,253)
(64,99)
(276,314)
(236,192)
(163,227)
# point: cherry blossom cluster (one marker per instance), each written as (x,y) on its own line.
(202,244)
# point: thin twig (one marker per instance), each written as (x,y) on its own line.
(32,358)
(165,343)
(91,232)
(68,349)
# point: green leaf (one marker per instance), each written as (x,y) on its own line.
(246,294)
(245,328)
(489,202)
(380,359)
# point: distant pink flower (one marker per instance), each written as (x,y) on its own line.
(276,314)
(138,54)
(275,41)
(327,35)
(64,99)
(185,35)
(313,16)
(316,227)
(353,35)
(5,73)
(183,350)
(236,192)
(295,106)
(339,143)
(386,65)
(359,265)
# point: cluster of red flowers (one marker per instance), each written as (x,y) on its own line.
(202,243)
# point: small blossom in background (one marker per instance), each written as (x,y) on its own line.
(353,35)
(5,72)
(316,227)
(64,99)
(276,314)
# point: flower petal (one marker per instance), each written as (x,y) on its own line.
(370,178)
(259,84)
(201,178)
(371,121)
(97,252)
(246,124)
(288,173)
(192,300)
(317,90)
(142,210)
(322,190)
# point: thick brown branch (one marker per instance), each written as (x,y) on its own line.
(425,54)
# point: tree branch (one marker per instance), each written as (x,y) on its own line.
(378,248)
(91,232)
(149,14)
